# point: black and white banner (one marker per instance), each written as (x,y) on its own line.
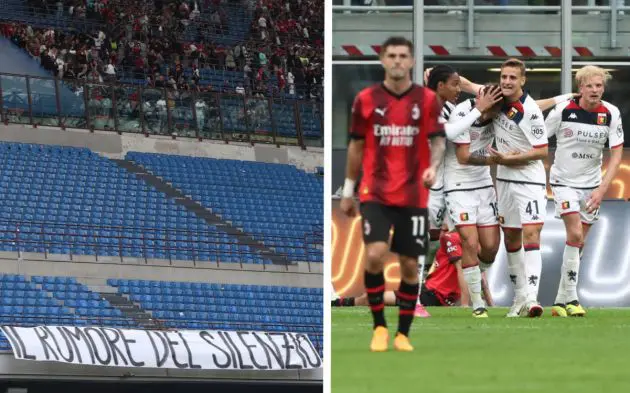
(183,349)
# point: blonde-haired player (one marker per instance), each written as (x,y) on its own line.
(581,126)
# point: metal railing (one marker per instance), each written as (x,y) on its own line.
(613,10)
(228,117)
(121,242)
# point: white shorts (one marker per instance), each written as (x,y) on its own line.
(572,200)
(521,204)
(473,207)
(437,209)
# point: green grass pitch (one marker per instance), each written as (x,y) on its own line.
(457,353)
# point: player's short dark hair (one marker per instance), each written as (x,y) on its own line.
(396,41)
(439,73)
(516,63)
(489,86)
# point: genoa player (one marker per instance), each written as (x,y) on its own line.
(470,196)
(521,139)
(581,127)
(447,84)
(444,284)
(392,124)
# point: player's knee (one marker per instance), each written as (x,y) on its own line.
(575,235)
(531,235)
(488,252)
(470,244)
(375,258)
(409,268)
(512,238)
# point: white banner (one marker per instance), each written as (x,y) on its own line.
(181,349)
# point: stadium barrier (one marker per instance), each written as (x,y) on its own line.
(470,10)
(604,271)
(122,108)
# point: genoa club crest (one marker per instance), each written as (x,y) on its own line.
(601,118)
(511,113)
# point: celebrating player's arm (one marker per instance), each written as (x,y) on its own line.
(462,141)
(466,85)
(548,103)
(486,100)
(475,89)
(533,127)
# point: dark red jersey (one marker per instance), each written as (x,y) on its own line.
(443,280)
(396,129)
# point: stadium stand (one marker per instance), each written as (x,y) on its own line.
(101,235)
(236,190)
(249,70)
(73,201)
(31,301)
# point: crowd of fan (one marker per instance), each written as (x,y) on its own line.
(119,39)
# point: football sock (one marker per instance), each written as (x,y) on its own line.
(561,297)
(375,287)
(515,262)
(407,298)
(533,269)
(472,275)
(571,270)
(421,268)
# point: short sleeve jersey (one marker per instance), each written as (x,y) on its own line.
(581,137)
(396,129)
(520,127)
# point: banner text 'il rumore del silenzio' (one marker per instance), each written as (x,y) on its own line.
(183,349)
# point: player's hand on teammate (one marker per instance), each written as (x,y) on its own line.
(348,207)
(595,200)
(428,176)
(506,159)
(487,98)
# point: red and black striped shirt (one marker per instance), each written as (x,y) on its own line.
(396,129)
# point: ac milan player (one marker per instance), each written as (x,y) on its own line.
(581,127)
(444,285)
(392,124)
